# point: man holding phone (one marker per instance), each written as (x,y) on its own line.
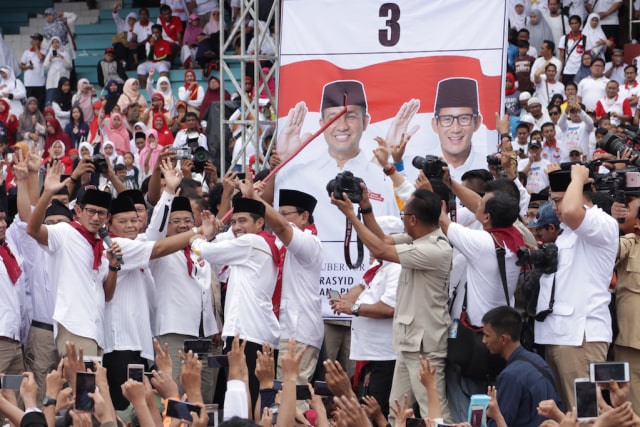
(526,380)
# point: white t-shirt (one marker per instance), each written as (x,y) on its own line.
(603,6)
(545,91)
(35,77)
(618,72)
(627,92)
(484,287)
(555,23)
(372,339)
(300,302)
(574,59)
(142,32)
(178,8)
(586,259)
(11,298)
(537,179)
(80,298)
(591,90)
(554,153)
(541,61)
(574,134)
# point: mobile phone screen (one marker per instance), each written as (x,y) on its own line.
(322,389)
(302,392)
(135,372)
(85,384)
(334,294)
(476,417)
(586,399)
(218,361)
(201,346)
(11,382)
(415,422)
(181,410)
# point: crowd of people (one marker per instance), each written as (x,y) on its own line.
(122,247)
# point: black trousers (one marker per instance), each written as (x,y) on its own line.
(380,378)
(116,364)
(250,350)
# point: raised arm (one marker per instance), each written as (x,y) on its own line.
(52,185)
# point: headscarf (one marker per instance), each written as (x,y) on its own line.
(5,116)
(57,135)
(194,94)
(26,121)
(164,135)
(213,26)
(61,98)
(211,96)
(515,20)
(132,142)
(167,95)
(509,76)
(118,136)
(82,128)
(85,100)
(128,91)
(154,154)
(112,158)
(583,72)
(85,145)
(10,81)
(268,45)
(22,146)
(93,127)
(539,32)
(111,98)
(192,31)
(57,28)
(594,34)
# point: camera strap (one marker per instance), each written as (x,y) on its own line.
(359,245)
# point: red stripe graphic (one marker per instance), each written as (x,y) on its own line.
(389,84)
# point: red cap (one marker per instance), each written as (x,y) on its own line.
(110,50)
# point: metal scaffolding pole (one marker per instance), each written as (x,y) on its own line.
(249,121)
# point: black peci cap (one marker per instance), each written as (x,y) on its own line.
(241,204)
(457,92)
(122,204)
(181,204)
(298,199)
(97,198)
(333,94)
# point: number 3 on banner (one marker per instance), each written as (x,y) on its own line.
(391,35)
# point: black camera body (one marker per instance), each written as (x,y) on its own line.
(614,144)
(493,160)
(199,157)
(430,165)
(345,182)
(545,258)
(100,163)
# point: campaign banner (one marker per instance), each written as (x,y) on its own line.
(433,70)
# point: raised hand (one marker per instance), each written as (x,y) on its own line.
(400,123)
(290,139)
(163,359)
(265,366)
(172,176)
(291,361)
(337,379)
(382,152)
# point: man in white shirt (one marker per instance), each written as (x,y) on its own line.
(593,88)
(608,11)
(546,55)
(534,167)
(548,86)
(83,277)
(553,150)
(253,259)
(570,49)
(141,35)
(32,63)
(184,136)
(522,141)
(614,70)
(630,89)
(616,106)
(576,126)
(573,319)
(558,22)
(183,286)
(538,113)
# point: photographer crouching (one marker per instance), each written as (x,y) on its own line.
(573,319)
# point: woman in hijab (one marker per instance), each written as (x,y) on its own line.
(117,133)
(149,154)
(57,152)
(85,149)
(268,45)
(139,127)
(539,29)
(517,15)
(10,120)
(54,133)
(77,129)
(109,151)
(191,92)
(585,68)
(61,104)
(55,26)
(131,100)
(85,97)
(32,127)
(12,90)
(190,41)
(209,40)
(164,135)
(94,126)
(596,37)
(58,64)
(112,94)
(163,87)
(212,95)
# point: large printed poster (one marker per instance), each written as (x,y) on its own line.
(431,69)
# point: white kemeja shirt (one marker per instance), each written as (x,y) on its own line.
(586,258)
(590,90)
(300,302)
(576,134)
(484,286)
(627,91)
(537,179)
(372,339)
(252,279)
(11,298)
(80,299)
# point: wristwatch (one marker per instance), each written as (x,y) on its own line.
(195,230)
(355,308)
(49,401)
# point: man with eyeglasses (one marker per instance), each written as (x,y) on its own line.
(577,328)
(183,287)
(456,118)
(253,260)
(84,278)
(546,223)
(128,325)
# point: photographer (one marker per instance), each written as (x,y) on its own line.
(185,137)
(546,224)
(627,345)
(573,319)
(425,256)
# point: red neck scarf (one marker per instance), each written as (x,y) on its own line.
(194,95)
(187,254)
(11,264)
(553,144)
(277,292)
(370,273)
(95,242)
(507,236)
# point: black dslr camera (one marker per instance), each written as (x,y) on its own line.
(345,182)
(430,165)
(100,163)
(545,258)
